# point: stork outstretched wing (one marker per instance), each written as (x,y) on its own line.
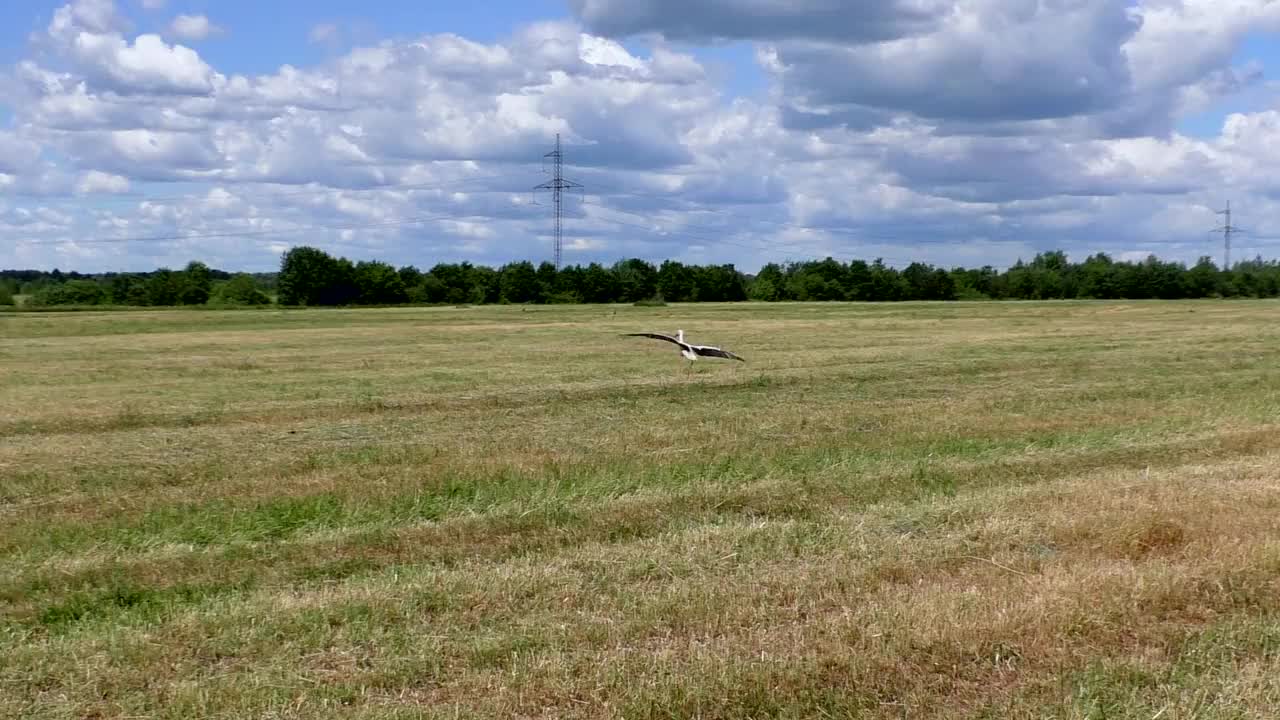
(703,350)
(708,351)
(655,336)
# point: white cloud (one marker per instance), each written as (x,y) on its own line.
(17,154)
(848,20)
(95,181)
(193,27)
(95,16)
(1021,62)
(889,129)
(153,4)
(1094,67)
(1183,41)
(147,65)
(145,154)
(88,34)
(323,32)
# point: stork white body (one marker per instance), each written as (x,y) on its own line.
(685,350)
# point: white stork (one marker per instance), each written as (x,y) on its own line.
(690,352)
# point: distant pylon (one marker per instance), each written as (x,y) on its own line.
(557,185)
(1227,231)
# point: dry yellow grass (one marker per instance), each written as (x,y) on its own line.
(1060,510)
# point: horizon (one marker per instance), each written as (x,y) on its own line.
(1073,262)
(144,133)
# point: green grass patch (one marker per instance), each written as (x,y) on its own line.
(970,510)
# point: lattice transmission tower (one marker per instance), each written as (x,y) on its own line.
(557,185)
(1227,231)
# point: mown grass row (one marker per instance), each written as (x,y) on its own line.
(987,601)
(1057,510)
(187,553)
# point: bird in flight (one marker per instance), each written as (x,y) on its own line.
(689,351)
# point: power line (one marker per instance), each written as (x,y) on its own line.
(252,233)
(692,231)
(557,185)
(685,231)
(773,251)
(1007,235)
(232,188)
(918,236)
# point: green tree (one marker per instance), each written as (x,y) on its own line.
(71,292)
(486,285)
(1053,260)
(164,287)
(1167,280)
(239,290)
(917,276)
(304,274)
(1021,281)
(342,288)
(675,281)
(636,280)
(310,276)
(457,282)
(1203,280)
(858,283)
(519,282)
(434,290)
(548,280)
(834,279)
(569,282)
(1099,278)
(197,283)
(598,284)
(887,284)
(378,283)
(939,285)
(769,284)
(128,289)
(977,284)
(410,276)
(718,283)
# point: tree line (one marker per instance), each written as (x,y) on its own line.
(196,284)
(311,277)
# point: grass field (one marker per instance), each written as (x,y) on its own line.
(999,510)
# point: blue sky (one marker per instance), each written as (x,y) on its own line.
(1259,47)
(276,33)
(138,132)
(270,34)
(280,27)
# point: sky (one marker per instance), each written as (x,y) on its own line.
(137,134)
